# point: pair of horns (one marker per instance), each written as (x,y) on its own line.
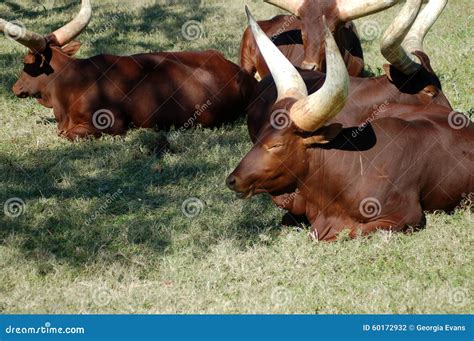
(63,35)
(347,9)
(309,113)
(406,33)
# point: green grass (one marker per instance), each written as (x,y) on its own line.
(103,228)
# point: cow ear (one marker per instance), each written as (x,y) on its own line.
(425,60)
(386,68)
(323,135)
(71,48)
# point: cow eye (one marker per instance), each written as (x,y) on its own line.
(276,145)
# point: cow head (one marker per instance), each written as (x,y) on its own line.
(337,12)
(279,157)
(45,52)
(402,45)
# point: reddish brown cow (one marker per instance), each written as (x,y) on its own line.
(368,97)
(337,12)
(380,177)
(107,94)
(285,32)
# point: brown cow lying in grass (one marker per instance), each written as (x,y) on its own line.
(107,94)
(384,176)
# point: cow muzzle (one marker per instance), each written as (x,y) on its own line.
(18,91)
(235,184)
(311,66)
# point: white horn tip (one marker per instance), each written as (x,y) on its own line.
(249,15)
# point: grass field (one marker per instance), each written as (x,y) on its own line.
(103,229)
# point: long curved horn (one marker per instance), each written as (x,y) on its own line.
(427,17)
(312,112)
(391,45)
(351,9)
(72,29)
(287,80)
(33,41)
(291,6)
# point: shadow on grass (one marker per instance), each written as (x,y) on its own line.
(81,217)
(124,204)
(123,28)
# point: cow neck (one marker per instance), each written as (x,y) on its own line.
(58,80)
(313,183)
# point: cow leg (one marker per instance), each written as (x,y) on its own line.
(412,220)
(408,219)
(79,132)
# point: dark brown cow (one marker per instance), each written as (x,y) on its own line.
(337,13)
(285,32)
(382,176)
(107,94)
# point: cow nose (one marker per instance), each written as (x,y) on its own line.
(18,91)
(311,66)
(231,181)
